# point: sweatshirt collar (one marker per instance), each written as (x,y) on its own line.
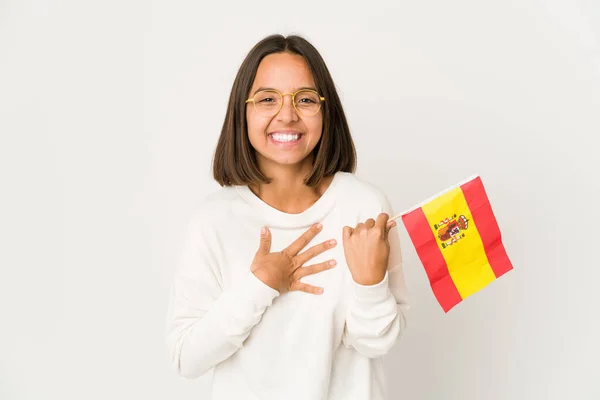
(279,219)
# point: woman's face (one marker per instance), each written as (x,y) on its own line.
(273,136)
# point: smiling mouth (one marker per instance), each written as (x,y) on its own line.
(285,137)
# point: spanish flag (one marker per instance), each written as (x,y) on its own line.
(457,239)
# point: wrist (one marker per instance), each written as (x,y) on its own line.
(370,279)
(265,278)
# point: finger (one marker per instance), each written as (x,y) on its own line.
(265,241)
(370,223)
(304,287)
(382,221)
(314,269)
(313,251)
(347,233)
(388,226)
(303,240)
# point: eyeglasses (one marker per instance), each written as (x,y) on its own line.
(268,103)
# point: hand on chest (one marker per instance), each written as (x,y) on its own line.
(332,280)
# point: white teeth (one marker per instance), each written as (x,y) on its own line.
(283,137)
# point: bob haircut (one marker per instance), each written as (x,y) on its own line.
(234,160)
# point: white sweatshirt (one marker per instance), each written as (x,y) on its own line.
(264,345)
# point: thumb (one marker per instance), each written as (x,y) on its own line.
(265,241)
(346,233)
(388,228)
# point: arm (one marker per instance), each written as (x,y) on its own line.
(206,324)
(376,315)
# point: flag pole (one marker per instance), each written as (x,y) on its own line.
(433,197)
(397,216)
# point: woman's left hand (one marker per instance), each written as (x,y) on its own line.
(367,249)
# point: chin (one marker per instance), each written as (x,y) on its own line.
(277,159)
(287,161)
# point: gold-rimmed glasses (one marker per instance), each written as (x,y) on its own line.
(268,102)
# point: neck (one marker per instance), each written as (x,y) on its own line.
(287,191)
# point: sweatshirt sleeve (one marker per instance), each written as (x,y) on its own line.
(376,315)
(206,324)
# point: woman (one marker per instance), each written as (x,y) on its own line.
(293,315)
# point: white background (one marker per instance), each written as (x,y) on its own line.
(109,114)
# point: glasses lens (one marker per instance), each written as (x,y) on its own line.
(307,103)
(267,102)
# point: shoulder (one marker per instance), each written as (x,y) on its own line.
(364,192)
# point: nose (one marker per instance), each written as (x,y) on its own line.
(287,113)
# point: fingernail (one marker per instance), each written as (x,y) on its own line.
(332,242)
(319,226)
(263,230)
(320,291)
(332,262)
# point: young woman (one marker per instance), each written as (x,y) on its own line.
(290,284)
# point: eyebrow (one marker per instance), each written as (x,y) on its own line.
(268,88)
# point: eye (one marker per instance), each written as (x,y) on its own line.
(306,98)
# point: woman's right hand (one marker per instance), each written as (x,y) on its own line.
(283,270)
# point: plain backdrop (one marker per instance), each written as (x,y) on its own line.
(109,115)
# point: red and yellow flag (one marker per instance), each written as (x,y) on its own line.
(457,239)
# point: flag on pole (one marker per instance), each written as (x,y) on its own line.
(458,241)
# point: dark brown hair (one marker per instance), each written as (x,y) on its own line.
(234,160)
